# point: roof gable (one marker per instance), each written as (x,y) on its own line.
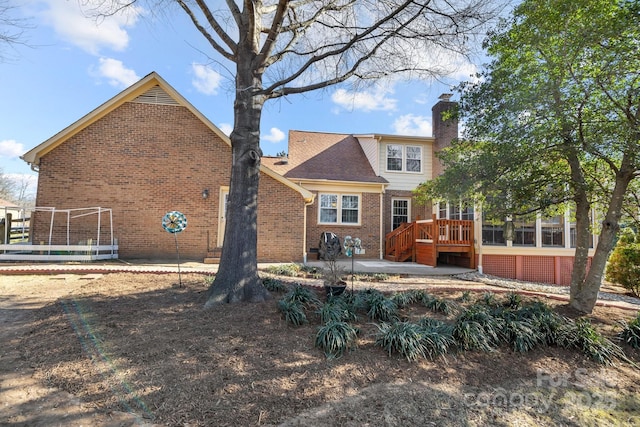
(151,89)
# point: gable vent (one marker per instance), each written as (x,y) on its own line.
(156,95)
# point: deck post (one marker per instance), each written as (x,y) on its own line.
(414,225)
(434,240)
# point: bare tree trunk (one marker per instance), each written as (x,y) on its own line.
(585,295)
(237,278)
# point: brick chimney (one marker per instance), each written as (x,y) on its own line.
(445,130)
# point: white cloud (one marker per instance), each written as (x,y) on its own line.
(205,79)
(10,148)
(376,100)
(226,128)
(412,125)
(78,26)
(275,135)
(115,72)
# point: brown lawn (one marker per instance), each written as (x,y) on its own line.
(131,349)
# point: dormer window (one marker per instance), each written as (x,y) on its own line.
(404,158)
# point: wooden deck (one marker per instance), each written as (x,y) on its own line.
(426,241)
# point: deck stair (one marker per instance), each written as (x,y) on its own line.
(426,241)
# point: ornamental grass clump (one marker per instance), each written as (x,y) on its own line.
(477,329)
(293,312)
(426,339)
(438,305)
(489,299)
(274,285)
(581,335)
(381,308)
(630,333)
(544,320)
(302,295)
(403,338)
(519,331)
(335,337)
(404,299)
(337,309)
(513,300)
(437,337)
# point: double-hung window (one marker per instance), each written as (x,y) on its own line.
(413,161)
(339,209)
(404,158)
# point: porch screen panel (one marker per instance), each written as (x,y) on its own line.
(525,232)
(552,230)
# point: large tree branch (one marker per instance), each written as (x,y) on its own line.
(273,92)
(214,24)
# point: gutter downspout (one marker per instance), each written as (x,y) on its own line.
(478,237)
(304,234)
(304,231)
(382,246)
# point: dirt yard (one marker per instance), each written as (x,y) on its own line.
(135,349)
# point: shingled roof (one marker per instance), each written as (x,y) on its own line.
(324,156)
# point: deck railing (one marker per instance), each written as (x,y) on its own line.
(400,243)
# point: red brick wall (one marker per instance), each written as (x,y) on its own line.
(368,232)
(142,161)
(444,130)
(280,222)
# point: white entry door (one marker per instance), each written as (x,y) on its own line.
(222,214)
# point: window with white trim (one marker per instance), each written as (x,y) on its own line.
(404,158)
(413,161)
(399,212)
(339,209)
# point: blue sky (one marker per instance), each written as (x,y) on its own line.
(71,64)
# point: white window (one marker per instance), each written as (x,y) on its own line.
(404,158)
(414,159)
(394,157)
(339,209)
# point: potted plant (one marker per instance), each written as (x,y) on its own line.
(332,276)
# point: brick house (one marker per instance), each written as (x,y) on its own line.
(143,153)
(148,151)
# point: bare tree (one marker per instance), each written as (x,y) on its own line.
(11,28)
(7,187)
(283,47)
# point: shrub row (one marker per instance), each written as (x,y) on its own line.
(485,325)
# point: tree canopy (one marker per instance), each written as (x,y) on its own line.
(555,119)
